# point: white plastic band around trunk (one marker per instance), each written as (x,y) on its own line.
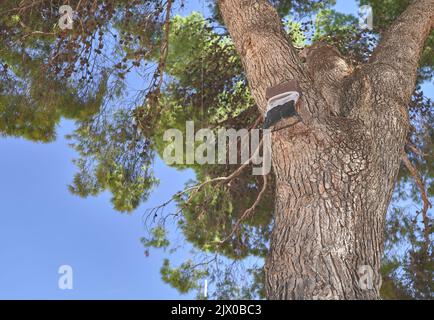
(282,98)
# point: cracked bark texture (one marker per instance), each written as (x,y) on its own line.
(335,171)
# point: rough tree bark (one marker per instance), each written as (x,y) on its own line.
(335,171)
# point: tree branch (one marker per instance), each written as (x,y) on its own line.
(265,50)
(398,54)
(419,183)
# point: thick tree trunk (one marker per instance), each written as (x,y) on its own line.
(331,199)
(335,171)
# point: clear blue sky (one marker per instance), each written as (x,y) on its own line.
(43,226)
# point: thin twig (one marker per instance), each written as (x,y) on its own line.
(426,204)
(164,49)
(249,211)
(415,150)
(196,188)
